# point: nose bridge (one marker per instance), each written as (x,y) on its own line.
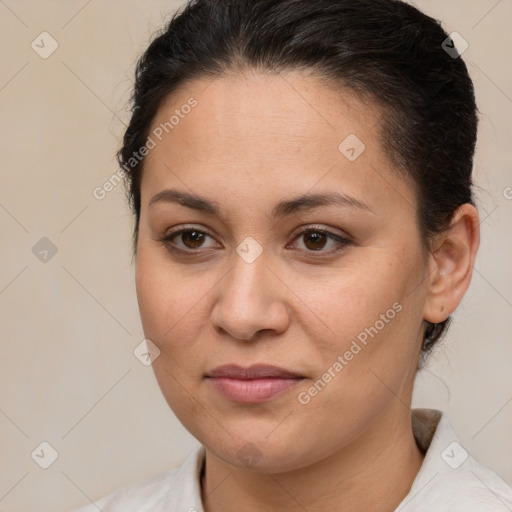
(248,302)
(248,275)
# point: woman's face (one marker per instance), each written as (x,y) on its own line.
(243,286)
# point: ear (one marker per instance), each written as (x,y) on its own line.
(451,264)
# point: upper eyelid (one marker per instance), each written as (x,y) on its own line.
(298,231)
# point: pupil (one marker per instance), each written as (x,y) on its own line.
(316,236)
(194,235)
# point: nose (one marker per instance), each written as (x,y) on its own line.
(251,299)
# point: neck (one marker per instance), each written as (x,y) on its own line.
(374,473)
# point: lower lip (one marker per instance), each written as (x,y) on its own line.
(252,390)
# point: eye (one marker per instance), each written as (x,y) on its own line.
(315,238)
(192,239)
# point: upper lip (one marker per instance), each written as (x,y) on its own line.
(256,371)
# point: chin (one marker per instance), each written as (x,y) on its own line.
(260,454)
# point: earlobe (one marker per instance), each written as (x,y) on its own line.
(451,264)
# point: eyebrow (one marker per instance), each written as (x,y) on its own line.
(301,203)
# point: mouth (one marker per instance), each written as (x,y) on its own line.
(254,384)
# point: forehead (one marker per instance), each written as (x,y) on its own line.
(262,134)
(266,109)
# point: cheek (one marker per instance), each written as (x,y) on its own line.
(166,304)
(153,298)
(161,293)
(166,297)
(172,306)
(369,316)
(348,300)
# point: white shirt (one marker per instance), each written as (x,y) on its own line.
(449,480)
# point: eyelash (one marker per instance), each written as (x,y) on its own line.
(343,242)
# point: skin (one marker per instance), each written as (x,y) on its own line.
(254,140)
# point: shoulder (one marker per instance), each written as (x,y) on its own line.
(137,497)
(472,488)
(450,479)
(167,491)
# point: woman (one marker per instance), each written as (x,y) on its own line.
(300,175)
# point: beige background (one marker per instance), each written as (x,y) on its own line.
(69,326)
